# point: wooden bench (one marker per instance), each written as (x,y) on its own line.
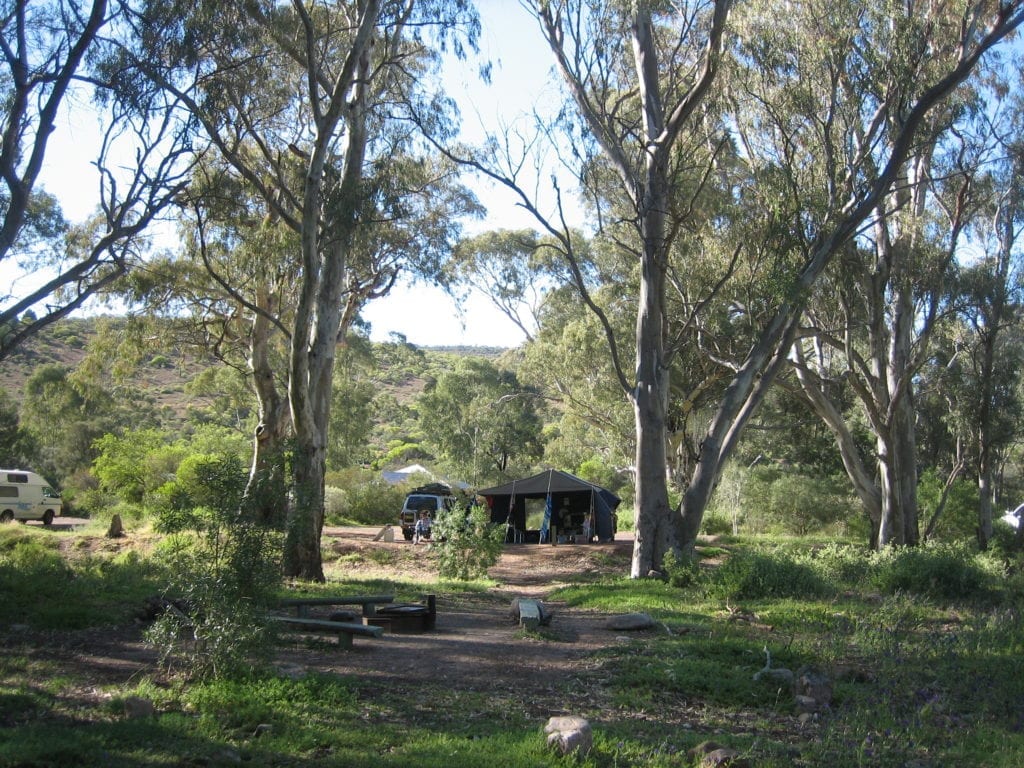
(345,630)
(368,603)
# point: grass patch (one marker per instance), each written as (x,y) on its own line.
(44,589)
(925,652)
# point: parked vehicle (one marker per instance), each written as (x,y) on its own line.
(432,498)
(25,496)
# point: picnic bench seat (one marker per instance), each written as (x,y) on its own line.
(368,603)
(345,630)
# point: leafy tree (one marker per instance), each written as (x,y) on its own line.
(17,447)
(65,415)
(351,410)
(566,361)
(320,143)
(480,422)
(48,46)
(646,143)
(132,465)
(504,266)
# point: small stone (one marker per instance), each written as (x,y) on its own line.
(529,612)
(810,682)
(116,529)
(724,758)
(703,748)
(262,729)
(806,703)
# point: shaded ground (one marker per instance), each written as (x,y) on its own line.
(476,646)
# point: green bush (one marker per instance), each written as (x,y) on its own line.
(943,571)
(467,542)
(682,572)
(226,574)
(217,482)
(841,565)
(361,497)
(715,524)
(225,570)
(750,575)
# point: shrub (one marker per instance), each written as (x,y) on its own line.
(750,575)
(945,571)
(224,568)
(226,575)
(715,524)
(841,565)
(682,571)
(467,542)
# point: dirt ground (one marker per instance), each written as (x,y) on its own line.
(476,645)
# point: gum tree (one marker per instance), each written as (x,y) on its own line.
(48,50)
(323,85)
(820,115)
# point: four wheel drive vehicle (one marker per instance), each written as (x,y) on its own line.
(25,495)
(432,498)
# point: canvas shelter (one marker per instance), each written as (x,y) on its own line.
(587,507)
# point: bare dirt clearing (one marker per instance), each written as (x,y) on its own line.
(477,645)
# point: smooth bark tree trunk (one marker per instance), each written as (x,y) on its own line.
(863,483)
(329,221)
(654,535)
(265,499)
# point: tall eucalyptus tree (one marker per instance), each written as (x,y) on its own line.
(829,107)
(324,85)
(991,307)
(820,114)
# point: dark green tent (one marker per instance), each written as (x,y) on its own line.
(560,490)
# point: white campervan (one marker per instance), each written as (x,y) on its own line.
(25,495)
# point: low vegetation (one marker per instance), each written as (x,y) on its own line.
(923,651)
